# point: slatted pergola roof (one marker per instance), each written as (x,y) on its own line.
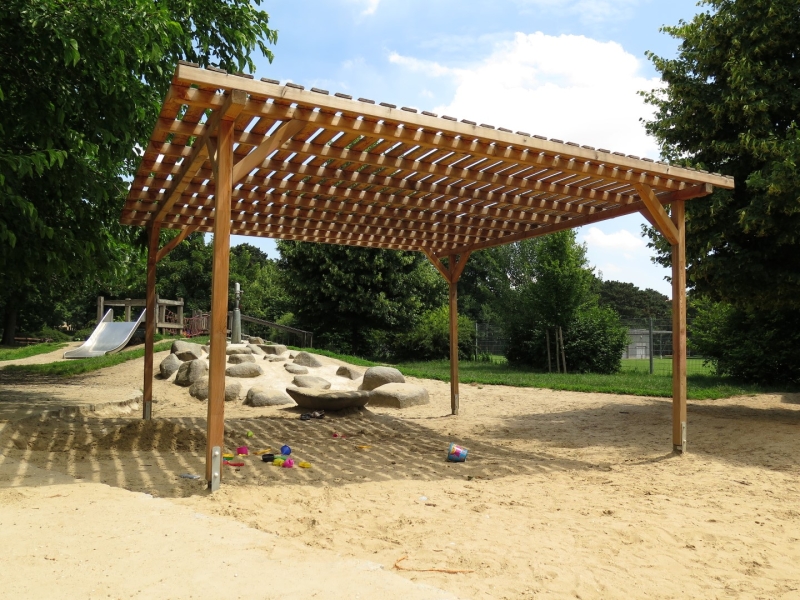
(317,167)
(282,162)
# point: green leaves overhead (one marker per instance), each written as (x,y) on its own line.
(731,104)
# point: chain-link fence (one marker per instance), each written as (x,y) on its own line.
(649,349)
(490,342)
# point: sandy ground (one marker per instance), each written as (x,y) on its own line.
(564,495)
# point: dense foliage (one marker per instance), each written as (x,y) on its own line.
(730,104)
(348,294)
(759,346)
(430,337)
(81,83)
(632,303)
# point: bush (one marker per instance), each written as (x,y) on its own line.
(430,337)
(53,334)
(754,346)
(593,343)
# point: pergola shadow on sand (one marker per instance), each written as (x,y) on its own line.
(282,162)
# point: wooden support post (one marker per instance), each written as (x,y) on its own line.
(180,314)
(100,308)
(219,296)
(127,310)
(453,344)
(563,357)
(679,329)
(149,320)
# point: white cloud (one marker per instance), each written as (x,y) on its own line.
(567,87)
(371,7)
(587,11)
(622,241)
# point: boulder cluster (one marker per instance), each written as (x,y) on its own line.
(380,386)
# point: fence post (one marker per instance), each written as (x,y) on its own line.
(651,345)
(563,358)
(476,341)
(549,363)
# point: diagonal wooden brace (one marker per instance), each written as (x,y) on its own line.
(170,246)
(278,138)
(657,215)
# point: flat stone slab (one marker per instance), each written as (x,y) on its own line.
(169,365)
(237,359)
(307,360)
(191,371)
(253,339)
(399,395)
(349,372)
(326,400)
(256,350)
(295,369)
(273,348)
(199,389)
(244,370)
(378,376)
(259,396)
(186,350)
(309,381)
(273,358)
(230,350)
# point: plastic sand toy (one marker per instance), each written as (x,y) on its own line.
(304,465)
(242,450)
(288,463)
(228,456)
(286,450)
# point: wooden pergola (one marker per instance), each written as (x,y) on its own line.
(283,162)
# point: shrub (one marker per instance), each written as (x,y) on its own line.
(593,343)
(754,346)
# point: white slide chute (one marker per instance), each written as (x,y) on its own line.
(107,337)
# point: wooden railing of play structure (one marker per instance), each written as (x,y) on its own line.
(198,324)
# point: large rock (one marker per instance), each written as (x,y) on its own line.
(261,396)
(295,369)
(273,358)
(231,350)
(399,395)
(237,359)
(186,351)
(309,381)
(169,365)
(253,339)
(191,371)
(256,350)
(244,370)
(327,400)
(349,372)
(199,389)
(273,348)
(378,376)
(307,360)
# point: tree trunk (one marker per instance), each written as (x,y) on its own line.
(9,325)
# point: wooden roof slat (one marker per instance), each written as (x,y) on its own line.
(315,167)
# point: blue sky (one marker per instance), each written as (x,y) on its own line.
(568,69)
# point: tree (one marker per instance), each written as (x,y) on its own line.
(344,294)
(632,303)
(730,104)
(484,280)
(552,286)
(81,85)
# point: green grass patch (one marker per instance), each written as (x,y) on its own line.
(17,352)
(699,387)
(663,366)
(79,366)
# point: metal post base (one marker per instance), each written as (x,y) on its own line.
(681,448)
(216,468)
(147,411)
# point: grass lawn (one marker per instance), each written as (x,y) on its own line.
(78,366)
(700,387)
(17,352)
(663,366)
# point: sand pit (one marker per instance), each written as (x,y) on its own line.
(564,495)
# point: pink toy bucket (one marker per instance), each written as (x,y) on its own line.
(457,453)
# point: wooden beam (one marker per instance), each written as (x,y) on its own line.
(440,266)
(150,320)
(233,105)
(657,213)
(679,329)
(219,297)
(170,246)
(278,138)
(454,396)
(458,268)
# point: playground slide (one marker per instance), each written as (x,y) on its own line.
(107,337)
